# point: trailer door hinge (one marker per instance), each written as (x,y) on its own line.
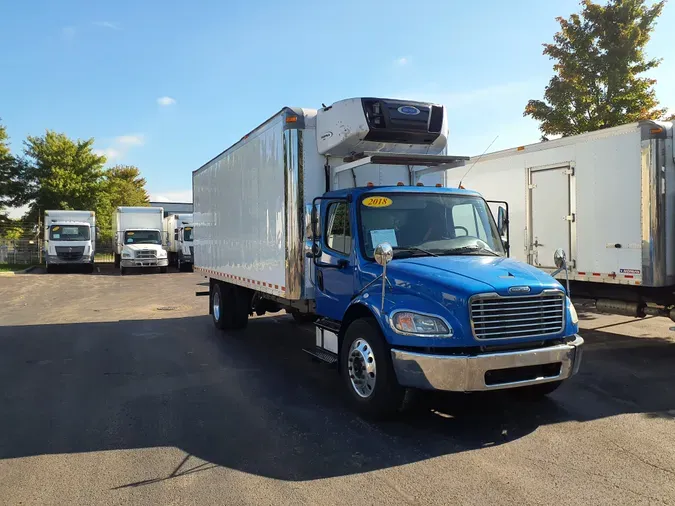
(569,172)
(572,217)
(531,186)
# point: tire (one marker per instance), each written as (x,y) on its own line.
(304,317)
(164,270)
(118,260)
(536,392)
(123,271)
(229,309)
(179,265)
(367,371)
(90,268)
(50,269)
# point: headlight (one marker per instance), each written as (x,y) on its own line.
(127,254)
(573,312)
(161,254)
(406,322)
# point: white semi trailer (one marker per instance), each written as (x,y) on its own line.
(70,238)
(178,234)
(137,232)
(606,197)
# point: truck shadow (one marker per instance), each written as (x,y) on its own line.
(252,401)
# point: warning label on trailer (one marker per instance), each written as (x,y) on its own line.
(629,271)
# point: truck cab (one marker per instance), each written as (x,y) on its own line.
(186,253)
(138,234)
(70,239)
(178,230)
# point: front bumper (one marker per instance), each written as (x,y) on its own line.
(491,371)
(55,260)
(145,262)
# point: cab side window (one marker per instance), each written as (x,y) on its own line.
(339,233)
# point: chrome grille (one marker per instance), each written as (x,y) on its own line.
(145,254)
(497,317)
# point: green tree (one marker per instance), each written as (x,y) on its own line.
(599,57)
(59,173)
(122,185)
(7,173)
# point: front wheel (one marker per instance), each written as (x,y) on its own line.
(123,271)
(367,371)
(164,270)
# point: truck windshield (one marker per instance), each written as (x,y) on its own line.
(69,232)
(142,237)
(429,224)
(187,234)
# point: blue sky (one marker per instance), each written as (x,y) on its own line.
(167,85)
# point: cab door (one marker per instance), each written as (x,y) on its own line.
(334,272)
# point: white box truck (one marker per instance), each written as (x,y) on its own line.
(607,198)
(340,216)
(70,238)
(178,235)
(137,232)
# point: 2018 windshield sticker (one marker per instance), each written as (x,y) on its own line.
(377,202)
(130,233)
(55,228)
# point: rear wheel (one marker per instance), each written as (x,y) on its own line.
(117,260)
(123,271)
(367,371)
(50,269)
(179,265)
(230,306)
(90,268)
(535,392)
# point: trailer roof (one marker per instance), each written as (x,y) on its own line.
(644,127)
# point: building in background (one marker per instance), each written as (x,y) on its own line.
(174,207)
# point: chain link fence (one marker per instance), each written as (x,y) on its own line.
(20,244)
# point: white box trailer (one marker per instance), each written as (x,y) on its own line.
(69,238)
(607,198)
(178,235)
(137,232)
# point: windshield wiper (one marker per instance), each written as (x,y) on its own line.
(415,249)
(472,249)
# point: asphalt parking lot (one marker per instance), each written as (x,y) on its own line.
(118,390)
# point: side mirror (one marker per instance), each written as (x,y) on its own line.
(384,253)
(316,250)
(559,258)
(502,221)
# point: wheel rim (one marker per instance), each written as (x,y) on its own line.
(216,305)
(362,368)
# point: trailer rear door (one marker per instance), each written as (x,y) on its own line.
(550,214)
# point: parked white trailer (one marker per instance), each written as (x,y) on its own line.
(70,238)
(137,232)
(178,235)
(607,198)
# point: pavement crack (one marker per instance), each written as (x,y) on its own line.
(641,459)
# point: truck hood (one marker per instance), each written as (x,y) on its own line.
(138,247)
(471,274)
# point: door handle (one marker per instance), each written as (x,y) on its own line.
(342,263)
(319,280)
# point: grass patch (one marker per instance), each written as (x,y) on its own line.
(14,267)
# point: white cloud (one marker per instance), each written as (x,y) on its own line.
(120,146)
(107,24)
(401,61)
(68,32)
(16,212)
(130,140)
(111,154)
(172,196)
(166,101)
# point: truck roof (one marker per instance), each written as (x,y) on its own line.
(362,190)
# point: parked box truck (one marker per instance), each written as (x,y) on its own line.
(70,238)
(607,198)
(137,232)
(178,235)
(339,216)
